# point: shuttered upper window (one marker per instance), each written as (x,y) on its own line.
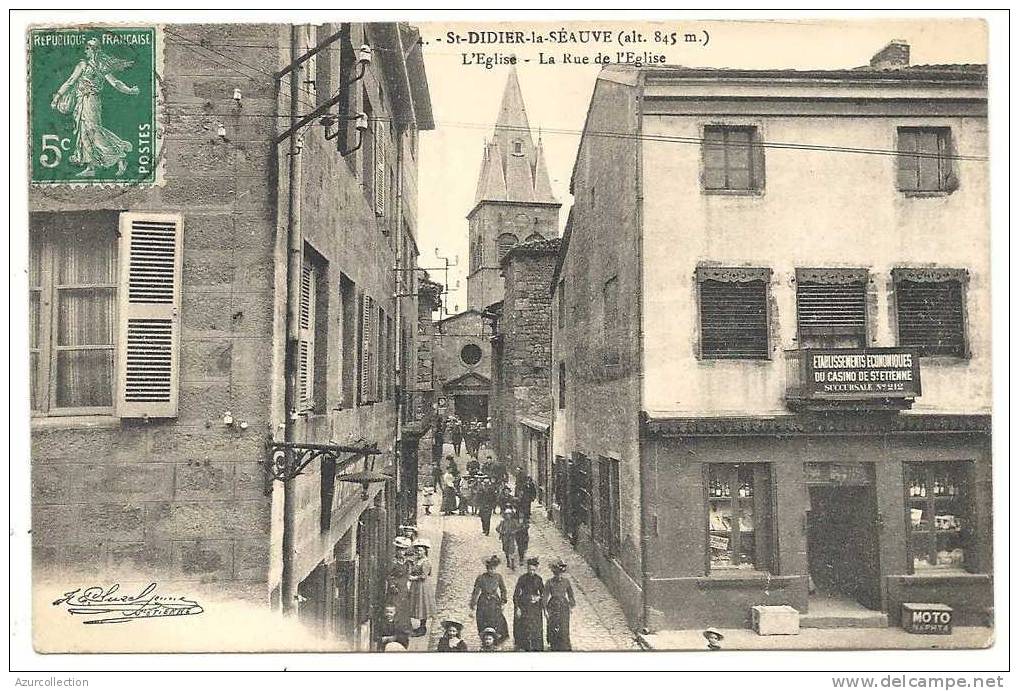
(924,160)
(105,315)
(831,308)
(734,312)
(929,310)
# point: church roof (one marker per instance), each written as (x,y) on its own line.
(513,167)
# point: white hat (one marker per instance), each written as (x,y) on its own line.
(422,542)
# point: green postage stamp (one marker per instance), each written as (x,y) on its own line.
(93,105)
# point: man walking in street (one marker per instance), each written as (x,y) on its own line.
(486,503)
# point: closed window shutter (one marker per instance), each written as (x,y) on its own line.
(306,339)
(380,169)
(930,317)
(823,308)
(734,319)
(366,348)
(149,316)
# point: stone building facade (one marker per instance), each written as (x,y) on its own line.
(126,489)
(741,332)
(522,361)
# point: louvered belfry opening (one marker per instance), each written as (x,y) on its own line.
(734,313)
(148,328)
(831,308)
(930,314)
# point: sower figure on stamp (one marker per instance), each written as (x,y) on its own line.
(528,608)
(95,146)
(559,601)
(488,599)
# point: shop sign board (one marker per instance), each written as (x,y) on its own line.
(857,374)
(927,618)
(837,473)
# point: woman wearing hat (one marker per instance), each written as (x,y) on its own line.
(488,598)
(422,587)
(527,609)
(452,640)
(559,601)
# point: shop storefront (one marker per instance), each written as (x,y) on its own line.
(844,509)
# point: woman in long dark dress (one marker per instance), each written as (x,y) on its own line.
(527,609)
(488,599)
(559,601)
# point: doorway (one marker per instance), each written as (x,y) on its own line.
(471,407)
(842,550)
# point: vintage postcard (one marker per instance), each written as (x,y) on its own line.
(507,336)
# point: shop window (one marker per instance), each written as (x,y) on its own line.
(733,159)
(104,328)
(470,354)
(580,489)
(608,490)
(925,159)
(929,310)
(739,516)
(938,515)
(831,308)
(559,481)
(734,313)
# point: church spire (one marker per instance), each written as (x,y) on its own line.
(522,174)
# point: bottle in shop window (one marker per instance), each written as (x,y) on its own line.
(923,489)
(726,492)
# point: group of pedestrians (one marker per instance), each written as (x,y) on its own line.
(462,434)
(410,591)
(541,607)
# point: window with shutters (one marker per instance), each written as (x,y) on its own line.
(739,515)
(732,159)
(312,343)
(348,342)
(381,169)
(347,105)
(831,308)
(734,313)
(925,160)
(368,347)
(929,310)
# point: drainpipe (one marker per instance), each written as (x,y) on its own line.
(295,252)
(398,325)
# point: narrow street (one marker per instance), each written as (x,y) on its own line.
(597,622)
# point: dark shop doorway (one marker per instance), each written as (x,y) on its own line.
(842,549)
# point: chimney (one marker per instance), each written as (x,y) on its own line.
(892,56)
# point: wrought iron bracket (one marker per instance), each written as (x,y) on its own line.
(286,460)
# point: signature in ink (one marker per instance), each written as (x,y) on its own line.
(122,608)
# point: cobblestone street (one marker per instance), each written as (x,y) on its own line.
(597,622)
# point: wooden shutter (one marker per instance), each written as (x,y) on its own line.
(380,168)
(734,319)
(930,316)
(832,302)
(151,253)
(366,348)
(306,339)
